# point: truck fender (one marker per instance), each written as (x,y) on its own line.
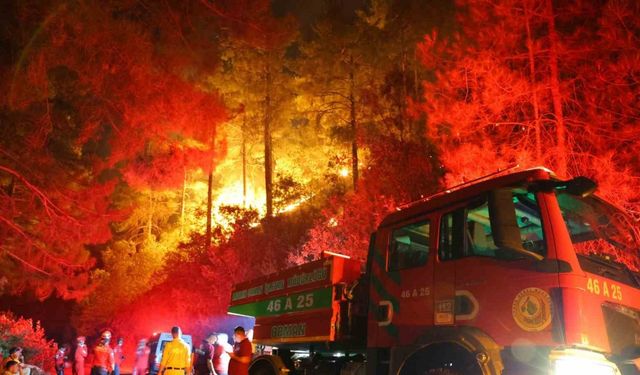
(268,365)
(485,350)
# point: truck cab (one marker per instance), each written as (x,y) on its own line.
(507,275)
(515,273)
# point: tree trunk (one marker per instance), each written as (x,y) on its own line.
(268,151)
(421,131)
(150,218)
(244,161)
(208,236)
(556,92)
(416,64)
(405,91)
(532,78)
(182,203)
(354,125)
(209,232)
(209,208)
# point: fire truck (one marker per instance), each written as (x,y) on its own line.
(502,275)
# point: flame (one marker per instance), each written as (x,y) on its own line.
(232,195)
(293,205)
(229,195)
(333,222)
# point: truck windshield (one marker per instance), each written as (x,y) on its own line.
(599,231)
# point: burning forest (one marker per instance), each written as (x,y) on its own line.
(155,151)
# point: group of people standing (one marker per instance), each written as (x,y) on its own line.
(214,356)
(106,360)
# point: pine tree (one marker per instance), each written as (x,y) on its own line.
(337,87)
(98,106)
(255,57)
(533,82)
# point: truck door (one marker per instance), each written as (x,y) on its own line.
(405,289)
(449,241)
(503,292)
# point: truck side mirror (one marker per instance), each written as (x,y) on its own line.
(504,225)
(581,186)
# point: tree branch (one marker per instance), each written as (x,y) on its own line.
(44,252)
(27,264)
(46,202)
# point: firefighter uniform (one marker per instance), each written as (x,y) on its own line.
(103,361)
(60,359)
(176,358)
(81,354)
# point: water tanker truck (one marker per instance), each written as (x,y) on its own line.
(506,274)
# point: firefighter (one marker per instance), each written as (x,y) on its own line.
(176,356)
(142,358)
(81,354)
(118,355)
(59,359)
(241,353)
(103,359)
(220,355)
(203,364)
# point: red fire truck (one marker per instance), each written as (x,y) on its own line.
(502,275)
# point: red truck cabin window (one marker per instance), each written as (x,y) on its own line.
(467,231)
(409,247)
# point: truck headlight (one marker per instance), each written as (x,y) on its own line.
(576,361)
(579,366)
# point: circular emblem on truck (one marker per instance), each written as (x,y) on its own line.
(531,309)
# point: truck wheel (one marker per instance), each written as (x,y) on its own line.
(267,365)
(262,368)
(441,359)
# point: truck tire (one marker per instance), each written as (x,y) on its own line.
(441,359)
(267,365)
